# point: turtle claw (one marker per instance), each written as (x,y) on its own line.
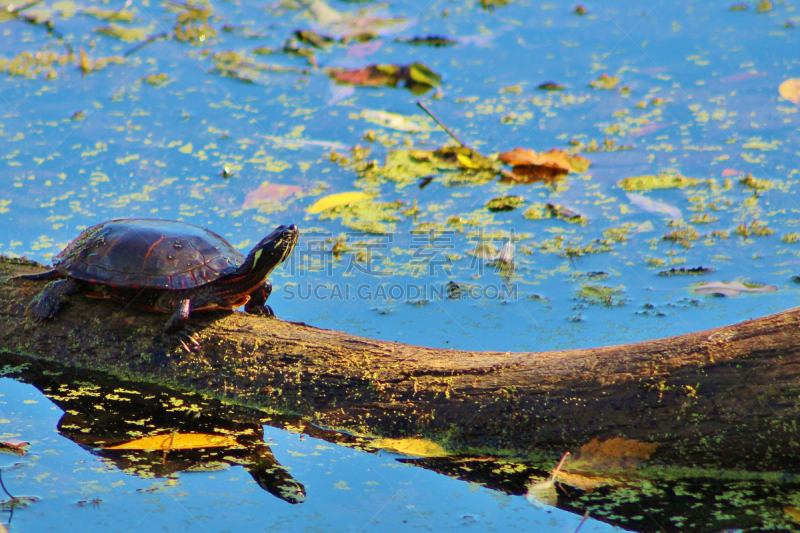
(183,341)
(49,302)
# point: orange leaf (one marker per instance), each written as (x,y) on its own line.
(176,441)
(790,89)
(14,445)
(532,174)
(555,158)
(371,76)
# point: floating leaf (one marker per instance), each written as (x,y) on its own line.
(555,158)
(177,441)
(551,86)
(314,39)
(505,203)
(418,78)
(335,200)
(533,174)
(665,180)
(731,172)
(417,447)
(731,289)
(14,446)
(790,90)
(268,193)
(430,40)
(654,206)
(687,271)
(491,4)
(397,121)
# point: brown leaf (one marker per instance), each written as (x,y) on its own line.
(532,174)
(555,158)
(14,446)
(418,78)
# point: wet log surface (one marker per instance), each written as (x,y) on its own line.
(725,397)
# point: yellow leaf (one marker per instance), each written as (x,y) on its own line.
(790,89)
(418,447)
(466,161)
(335,200)
(793,513)
(177,441)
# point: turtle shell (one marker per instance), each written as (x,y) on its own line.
(143,253)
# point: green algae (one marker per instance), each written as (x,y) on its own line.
(665,180)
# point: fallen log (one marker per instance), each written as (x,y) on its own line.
(725,397)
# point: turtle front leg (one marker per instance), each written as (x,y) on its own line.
(258,301)
(180,317)
(49,302)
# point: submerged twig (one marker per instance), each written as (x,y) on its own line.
(145,43)
(3,485)
(439,122)
(585,517)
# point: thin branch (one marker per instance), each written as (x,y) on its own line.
(439,122)
(147,42)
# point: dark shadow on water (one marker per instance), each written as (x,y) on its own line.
(102,411)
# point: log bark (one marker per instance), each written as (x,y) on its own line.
(725,397)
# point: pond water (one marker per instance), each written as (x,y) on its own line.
(223,115)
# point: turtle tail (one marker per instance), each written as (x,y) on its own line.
(42,276)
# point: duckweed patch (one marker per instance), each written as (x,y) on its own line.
(665,180)
(602,295)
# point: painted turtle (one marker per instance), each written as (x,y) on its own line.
(165,266)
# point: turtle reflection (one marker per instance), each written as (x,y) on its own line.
(101,412)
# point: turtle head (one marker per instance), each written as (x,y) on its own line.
(271,251)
